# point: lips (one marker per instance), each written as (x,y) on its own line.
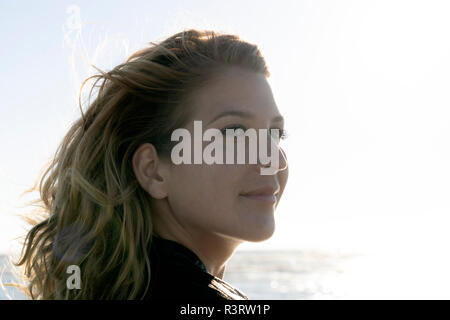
(265,194)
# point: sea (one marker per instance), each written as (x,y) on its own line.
(322,275)
(271,274)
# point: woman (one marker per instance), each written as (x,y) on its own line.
(135,224)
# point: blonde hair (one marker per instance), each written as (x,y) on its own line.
(95,214)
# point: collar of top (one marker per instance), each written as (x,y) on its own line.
(179,252)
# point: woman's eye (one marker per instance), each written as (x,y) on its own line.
(233,127)
(282,133)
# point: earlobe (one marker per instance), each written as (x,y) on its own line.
(157,186)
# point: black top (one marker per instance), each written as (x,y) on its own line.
(178,273)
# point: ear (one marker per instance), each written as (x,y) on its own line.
(151,173)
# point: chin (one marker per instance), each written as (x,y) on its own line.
(260,234)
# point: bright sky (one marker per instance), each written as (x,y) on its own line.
(363,86)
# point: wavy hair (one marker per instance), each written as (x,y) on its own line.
(94,213)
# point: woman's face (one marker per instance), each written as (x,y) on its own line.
(209,197)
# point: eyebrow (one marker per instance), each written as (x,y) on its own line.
(243,114)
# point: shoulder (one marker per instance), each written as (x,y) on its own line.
(173,282)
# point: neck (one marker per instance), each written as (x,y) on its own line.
(212,249)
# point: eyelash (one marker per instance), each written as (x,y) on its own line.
(284,134)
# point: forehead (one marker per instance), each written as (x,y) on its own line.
(235,89)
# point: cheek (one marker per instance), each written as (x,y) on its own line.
(203,195)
